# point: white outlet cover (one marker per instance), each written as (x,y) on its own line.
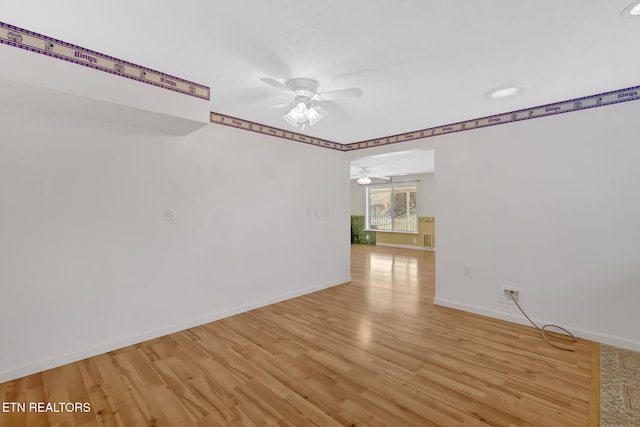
(504,298)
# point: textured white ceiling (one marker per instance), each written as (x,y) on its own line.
(420,63)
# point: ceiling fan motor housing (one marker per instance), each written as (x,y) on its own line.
(303,87)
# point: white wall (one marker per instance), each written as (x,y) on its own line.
(358,194)
(550,206)
(88,263)
(426,194)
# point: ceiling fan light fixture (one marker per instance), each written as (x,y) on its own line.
(297,114)
(313,116)
(302,115)
(364,177)
(290,119)
(307,109)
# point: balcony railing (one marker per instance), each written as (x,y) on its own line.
(408,224)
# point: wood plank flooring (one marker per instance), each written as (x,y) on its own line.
(372,352)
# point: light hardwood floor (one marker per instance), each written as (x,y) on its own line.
(372,352)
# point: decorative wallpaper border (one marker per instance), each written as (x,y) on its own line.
(572,105)
(577,104)
(38,43)
(268,130)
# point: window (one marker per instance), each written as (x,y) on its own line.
(393,207)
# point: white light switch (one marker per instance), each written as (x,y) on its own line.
(169,215)
(467,271)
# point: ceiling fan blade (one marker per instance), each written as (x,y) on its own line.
(369,63)
(254,100)
(321,110)
(329,107)
(282,105)
(353,92)
(386,178)
(273,107)
(277,85)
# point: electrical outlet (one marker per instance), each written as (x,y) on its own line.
(506,292)
(415,240)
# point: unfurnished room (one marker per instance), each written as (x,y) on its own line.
(319,213)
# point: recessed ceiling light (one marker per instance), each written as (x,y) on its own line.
(632,10)
(504,92)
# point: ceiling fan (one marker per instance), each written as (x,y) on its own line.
(308,106)
(364,176)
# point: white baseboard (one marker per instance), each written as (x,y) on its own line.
(517,318)
(393,245)
(75,356)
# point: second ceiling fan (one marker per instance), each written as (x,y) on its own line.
(364,176)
